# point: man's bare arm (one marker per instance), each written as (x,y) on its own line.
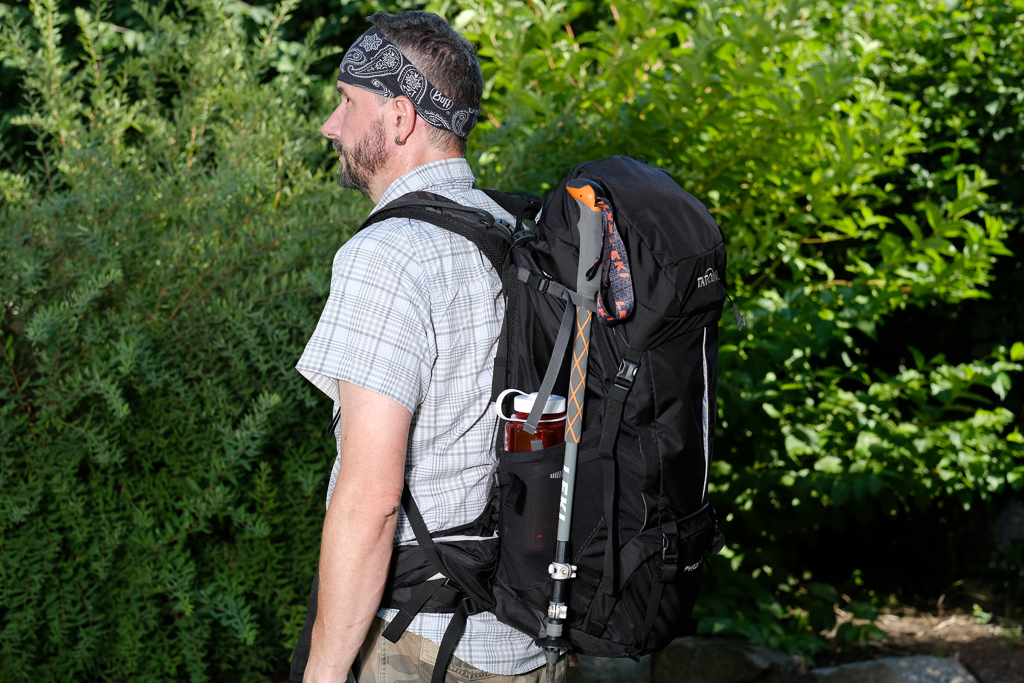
(359,529)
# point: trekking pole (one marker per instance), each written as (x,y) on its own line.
(588,279)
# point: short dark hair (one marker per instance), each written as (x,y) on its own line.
(446,58)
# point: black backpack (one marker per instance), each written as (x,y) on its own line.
(648,425)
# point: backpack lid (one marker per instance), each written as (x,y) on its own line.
(524,403)
(671,240)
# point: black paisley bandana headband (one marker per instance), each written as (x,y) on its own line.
(374,63)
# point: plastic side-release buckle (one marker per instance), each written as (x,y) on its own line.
(626,374)
(524,236)
(538,281)
(669,548)
(669,551)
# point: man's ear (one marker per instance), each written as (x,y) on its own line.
(403,118)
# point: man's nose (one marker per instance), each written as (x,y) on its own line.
(331,127)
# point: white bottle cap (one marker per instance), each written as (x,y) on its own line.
(524,403)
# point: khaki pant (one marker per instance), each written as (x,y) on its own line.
(412,659)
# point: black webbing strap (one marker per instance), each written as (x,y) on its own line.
(551,374)
(334,424)
(653,603)
(615,401)
(411,608)
(300,657)
(457,626)
(440,588)
(451,638)
(669,568)
(419,528)
(515,493)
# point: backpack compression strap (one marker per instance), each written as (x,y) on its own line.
(614,404)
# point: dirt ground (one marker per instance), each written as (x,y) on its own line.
(993,653)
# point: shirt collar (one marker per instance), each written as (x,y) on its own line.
(435,176)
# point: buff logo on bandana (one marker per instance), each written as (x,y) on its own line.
(374,63)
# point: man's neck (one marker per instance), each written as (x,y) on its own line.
(401,163)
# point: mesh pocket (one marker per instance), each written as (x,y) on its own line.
(529,488)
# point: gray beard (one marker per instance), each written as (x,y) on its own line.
(364,160)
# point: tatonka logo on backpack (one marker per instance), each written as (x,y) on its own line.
(690,568)
(710,276)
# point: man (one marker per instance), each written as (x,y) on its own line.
(405,347)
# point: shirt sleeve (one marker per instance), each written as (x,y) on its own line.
(375,330)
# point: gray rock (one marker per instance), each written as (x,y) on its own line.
(894,670)
(610,670)
(720,660)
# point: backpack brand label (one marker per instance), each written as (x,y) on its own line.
(690,568)
(707,278)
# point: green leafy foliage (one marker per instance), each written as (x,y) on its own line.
(168,236)
(777,116)
(164,259)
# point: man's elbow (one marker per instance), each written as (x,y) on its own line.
(370,504)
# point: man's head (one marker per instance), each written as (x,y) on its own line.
(410,90)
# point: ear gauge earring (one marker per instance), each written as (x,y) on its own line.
(399,141)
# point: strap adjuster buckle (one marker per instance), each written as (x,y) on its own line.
(538,281)
(626,374)
(467,605)
(524,236)
(669,548)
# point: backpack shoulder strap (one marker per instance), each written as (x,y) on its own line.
(489,235)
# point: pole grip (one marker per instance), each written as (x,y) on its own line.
(591,229)
(588,279)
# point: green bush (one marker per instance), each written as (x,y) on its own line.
(164,258)
(170,217)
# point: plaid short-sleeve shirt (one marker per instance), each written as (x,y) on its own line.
(414,314)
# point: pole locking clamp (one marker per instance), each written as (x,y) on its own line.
(560,571)
(557,611)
